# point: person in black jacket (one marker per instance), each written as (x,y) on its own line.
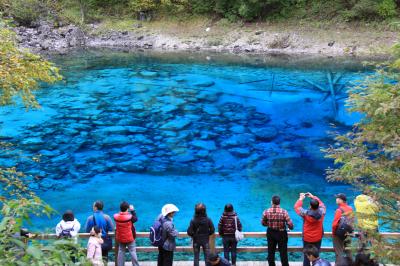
(226,228)
(200,229)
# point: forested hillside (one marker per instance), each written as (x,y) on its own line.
(27,12)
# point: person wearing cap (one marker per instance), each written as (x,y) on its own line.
(340,245)
(277,219)
(169,234)
(313,219)
(216,260)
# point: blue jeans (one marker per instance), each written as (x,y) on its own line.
(196,250)
(230,245)
(132,250)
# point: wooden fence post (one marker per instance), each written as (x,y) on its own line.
(212,243)
(116,250)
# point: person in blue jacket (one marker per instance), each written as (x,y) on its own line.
(104,222)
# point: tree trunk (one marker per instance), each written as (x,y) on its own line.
(82,10)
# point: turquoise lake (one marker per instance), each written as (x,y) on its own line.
(154,128)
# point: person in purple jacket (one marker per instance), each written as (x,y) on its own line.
(226,229)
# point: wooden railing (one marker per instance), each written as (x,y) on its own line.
(213,247)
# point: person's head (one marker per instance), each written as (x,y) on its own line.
(124,206)
(276,200)
(95,230)
(228,208)
(311,252)
(213,258)
(169,210)
(340,198)
(200,209)
(98,205)
(68,216)
(314,204)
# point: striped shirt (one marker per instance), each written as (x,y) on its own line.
(276,218)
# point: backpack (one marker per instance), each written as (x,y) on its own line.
(66,233)
(345,226)
(156,232)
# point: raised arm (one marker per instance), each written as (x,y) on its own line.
(298,206)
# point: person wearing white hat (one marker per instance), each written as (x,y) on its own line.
(169,233)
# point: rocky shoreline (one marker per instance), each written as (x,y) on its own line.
(48,39)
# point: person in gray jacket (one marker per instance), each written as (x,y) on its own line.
(169,233)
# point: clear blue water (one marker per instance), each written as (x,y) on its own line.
(181,128)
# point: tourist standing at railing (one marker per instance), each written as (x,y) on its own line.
(312,253)
(226,228)
(125,233)
(313,219)
(169,234)
(342,220)
(68,227)
(277,220)
(104,222)
(200,229)
(94,254)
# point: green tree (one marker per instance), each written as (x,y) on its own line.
(20,74)
(368,157)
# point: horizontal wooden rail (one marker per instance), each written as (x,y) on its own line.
(246,234)
(213,248)
(250,249)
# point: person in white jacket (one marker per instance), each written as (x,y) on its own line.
(68,227)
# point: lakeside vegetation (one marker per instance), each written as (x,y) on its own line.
(28,12)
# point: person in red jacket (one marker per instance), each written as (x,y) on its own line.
(125,232)
(313,219)
(341,245)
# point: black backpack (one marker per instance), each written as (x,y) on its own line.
(345,226)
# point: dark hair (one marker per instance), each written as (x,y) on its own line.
(343,261)
(228,208)
(124,206)
(276,200)
(99,205)
(200,209)
(96,229)
(363,259)
(314,204)
(68,216)
(311,250)
(24,232)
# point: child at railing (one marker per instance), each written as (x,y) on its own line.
(94,247)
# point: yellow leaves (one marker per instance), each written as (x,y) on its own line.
(21,71)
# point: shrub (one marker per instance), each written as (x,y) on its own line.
(387,9)
(201,6)
(26,12)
